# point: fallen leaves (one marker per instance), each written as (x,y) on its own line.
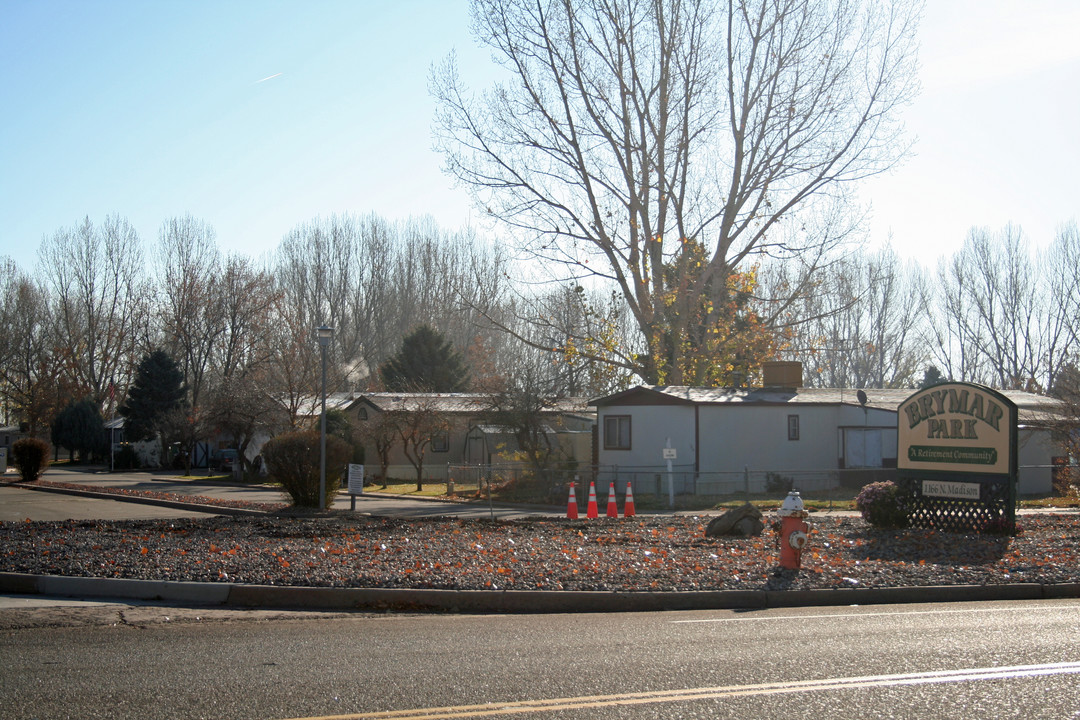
(639,554)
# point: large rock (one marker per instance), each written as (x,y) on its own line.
(743,521)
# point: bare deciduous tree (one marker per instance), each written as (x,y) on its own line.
(374,281)
(31,382)
(419,423)
(189,265)
(996,326)
(244,407)
(587,329)
(95,274)
(247,299)
(625,129)
(1060,270)
(860,328)
(382,432)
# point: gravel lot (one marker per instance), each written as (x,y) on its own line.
(641,553)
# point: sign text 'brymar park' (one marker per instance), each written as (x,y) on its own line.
(955,427)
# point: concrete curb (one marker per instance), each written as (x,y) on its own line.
(508,601)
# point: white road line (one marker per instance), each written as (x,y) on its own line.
(587,702)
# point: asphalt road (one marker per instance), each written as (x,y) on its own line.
(970,660)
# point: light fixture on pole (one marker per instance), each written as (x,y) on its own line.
(325,333)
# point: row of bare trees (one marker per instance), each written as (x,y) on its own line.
(995,312)
(1010,317)
(998,312)
(241,331)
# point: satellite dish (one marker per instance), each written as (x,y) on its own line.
(862,397)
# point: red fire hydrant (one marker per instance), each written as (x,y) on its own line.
(793,531)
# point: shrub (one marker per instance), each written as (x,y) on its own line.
(1066,481)
(776,484)
(30,456)
(882,505)
(125,458)
(292,460)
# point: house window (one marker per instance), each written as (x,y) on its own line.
(792,427)
(361,414)
(440,442)
(617,432)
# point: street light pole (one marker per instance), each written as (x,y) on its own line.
(325,333)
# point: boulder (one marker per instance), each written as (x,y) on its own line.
(743,521)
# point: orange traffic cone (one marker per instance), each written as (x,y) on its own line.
(612,508)
(628,505)
(571,507)
(592,511)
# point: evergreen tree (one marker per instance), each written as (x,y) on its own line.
(156,394)
(426,362)
(80,429)
(931,376)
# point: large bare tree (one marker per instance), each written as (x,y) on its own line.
(623,130)
(216,317)
(189,265)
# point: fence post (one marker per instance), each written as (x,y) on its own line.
(746,481)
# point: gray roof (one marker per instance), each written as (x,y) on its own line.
(1029,404)
(682,394)
(459,403)
(504,430)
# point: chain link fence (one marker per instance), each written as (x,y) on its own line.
(552,484)
(749,483)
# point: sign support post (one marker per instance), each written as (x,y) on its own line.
(669,455)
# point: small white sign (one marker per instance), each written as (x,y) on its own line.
(356,479)
(948,489)
(669,453)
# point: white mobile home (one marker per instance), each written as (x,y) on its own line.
(725,440)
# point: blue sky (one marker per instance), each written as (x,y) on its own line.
(259,116)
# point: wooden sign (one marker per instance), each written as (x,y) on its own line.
(957,427)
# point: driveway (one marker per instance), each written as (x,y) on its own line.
(18,503)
